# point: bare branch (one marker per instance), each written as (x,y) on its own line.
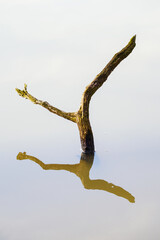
(103,75)
(81,117)
(24,93)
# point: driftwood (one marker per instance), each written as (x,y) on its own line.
(81,117)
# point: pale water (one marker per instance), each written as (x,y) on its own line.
(57,48)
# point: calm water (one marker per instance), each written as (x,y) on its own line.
(54,192)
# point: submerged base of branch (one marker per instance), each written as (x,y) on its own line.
(87,142)
(82,116)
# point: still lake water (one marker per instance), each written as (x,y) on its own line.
(80,201)
(113,196)
(57,48)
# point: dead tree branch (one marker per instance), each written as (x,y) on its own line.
(103,75)
(82,116)
(25,94)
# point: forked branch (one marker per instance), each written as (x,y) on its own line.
(82,116)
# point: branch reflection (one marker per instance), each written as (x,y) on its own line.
(82,170)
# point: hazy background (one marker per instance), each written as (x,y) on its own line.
(57,48)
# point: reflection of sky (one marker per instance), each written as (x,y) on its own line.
(57,48)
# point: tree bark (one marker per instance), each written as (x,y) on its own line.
(81,117)
(85,131)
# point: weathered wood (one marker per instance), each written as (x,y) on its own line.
(85,131)
(24,93)
(103,75)
(81,117)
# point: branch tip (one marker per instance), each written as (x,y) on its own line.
(20,92)
(25,87)
(21,156)
(133,40)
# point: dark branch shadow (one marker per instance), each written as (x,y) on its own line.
(82,170)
